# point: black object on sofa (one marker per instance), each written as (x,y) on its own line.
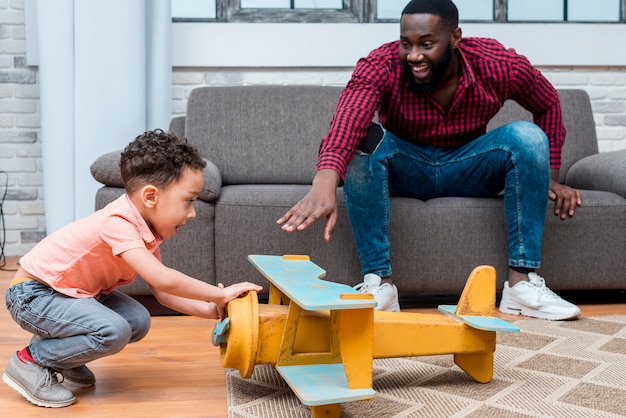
(262,142)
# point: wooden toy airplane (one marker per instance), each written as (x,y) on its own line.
(322,336)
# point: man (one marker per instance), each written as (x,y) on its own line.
(435,92)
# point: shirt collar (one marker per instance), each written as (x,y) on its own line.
(151,238)
(467,73)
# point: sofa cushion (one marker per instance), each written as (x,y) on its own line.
(177,126)
(106,170)
(435,244)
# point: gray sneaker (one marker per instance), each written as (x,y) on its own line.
(79,376)
(37,384)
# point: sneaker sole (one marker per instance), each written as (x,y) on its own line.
(391,308)
(36,401)
(515,309)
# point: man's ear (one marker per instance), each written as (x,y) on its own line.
(455,37)
(149,195)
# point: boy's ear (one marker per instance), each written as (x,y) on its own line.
(149,195)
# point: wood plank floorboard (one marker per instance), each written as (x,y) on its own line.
(174,372)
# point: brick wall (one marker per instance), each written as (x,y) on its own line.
(20,150)
(20,146)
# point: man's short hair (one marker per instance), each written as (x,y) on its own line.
(445,9)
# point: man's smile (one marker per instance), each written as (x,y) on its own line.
(421,72)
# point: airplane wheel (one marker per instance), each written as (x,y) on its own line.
(240,348)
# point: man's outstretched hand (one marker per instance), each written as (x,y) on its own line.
(320,202)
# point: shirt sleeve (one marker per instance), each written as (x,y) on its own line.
(121,235)
(536,94)
(353,115)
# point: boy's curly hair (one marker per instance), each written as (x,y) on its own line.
(158,158)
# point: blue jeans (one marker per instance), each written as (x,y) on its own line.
(513,158)
(75,331)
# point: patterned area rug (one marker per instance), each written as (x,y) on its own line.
(549,369)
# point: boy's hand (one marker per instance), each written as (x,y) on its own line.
(233,291)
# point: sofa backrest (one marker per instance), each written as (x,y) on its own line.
(261,134)
(271,134)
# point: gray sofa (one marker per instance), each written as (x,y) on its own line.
(262,144)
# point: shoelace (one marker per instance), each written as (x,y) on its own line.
(544,291)
(365,288)
(49,378)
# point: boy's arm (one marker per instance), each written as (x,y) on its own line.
(165,280)
(187,306)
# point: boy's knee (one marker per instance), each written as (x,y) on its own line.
(114,337)
(140,326)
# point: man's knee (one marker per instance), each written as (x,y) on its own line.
(530,136)
(528,143)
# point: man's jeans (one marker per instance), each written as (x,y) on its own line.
(513,158)
(75,331)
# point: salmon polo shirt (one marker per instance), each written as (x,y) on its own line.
(83,259)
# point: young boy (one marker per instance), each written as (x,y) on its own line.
(64,290)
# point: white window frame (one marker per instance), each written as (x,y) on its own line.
(230,11)
(354,11)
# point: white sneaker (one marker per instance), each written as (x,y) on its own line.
(385,295)
(533,298)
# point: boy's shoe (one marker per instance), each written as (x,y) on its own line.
(385,295)
(79,376)
(37,384)
(533,298)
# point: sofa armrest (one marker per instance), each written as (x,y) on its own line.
(106,170)
(605,171)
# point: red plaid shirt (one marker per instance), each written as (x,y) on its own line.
(490,75)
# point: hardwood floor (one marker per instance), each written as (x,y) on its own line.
(174,372)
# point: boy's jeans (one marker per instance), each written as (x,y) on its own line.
(513,158)
(75,331)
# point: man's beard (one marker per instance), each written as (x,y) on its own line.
(439,70)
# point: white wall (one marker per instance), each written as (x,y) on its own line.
(341,44)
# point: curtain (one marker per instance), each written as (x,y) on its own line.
(105,77)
